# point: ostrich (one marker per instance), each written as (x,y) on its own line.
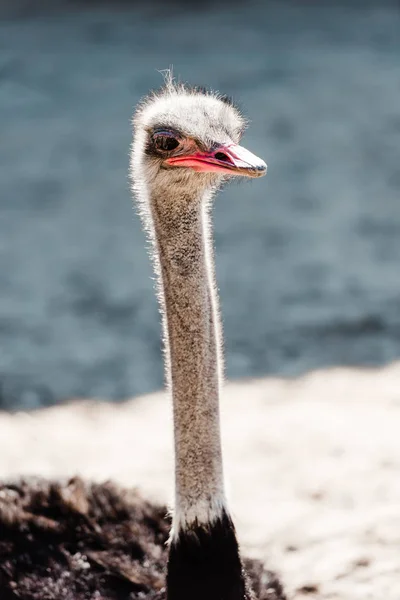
(186,144)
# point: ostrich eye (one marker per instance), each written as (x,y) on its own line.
(165,142)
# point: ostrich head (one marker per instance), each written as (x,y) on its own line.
(189,138)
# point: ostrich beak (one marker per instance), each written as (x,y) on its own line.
(231,159)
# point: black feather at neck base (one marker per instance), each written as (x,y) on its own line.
(204,564)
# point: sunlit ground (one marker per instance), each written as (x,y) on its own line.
(312,466)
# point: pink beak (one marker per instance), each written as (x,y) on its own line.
(231,159)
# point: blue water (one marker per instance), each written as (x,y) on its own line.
(308,259)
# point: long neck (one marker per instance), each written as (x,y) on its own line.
(192,339)
(204,559)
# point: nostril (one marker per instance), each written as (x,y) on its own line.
(221,156)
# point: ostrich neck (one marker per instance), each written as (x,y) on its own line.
(191,331)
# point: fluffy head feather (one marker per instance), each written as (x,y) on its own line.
(194,111)
(204,118)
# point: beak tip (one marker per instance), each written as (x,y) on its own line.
(261,169)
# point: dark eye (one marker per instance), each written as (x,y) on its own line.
(165,142)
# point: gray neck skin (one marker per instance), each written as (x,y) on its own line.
(191,332)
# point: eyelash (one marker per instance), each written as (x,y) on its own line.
(165,142)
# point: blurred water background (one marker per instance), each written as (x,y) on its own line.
(307,259)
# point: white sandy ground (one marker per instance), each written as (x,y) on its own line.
(313,466)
